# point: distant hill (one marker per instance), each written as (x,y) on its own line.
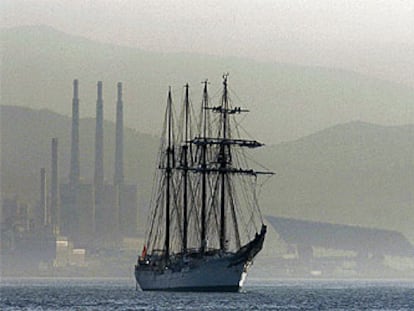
(354,173)
(39,64)
(26,147)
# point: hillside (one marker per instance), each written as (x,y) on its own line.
(39,64)
(26,147)
(354,173)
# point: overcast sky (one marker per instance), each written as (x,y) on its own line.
(165,24)
(374,37)
(183,24)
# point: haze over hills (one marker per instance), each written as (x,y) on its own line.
(288,101)
(26,147)
(369,37)
(353,173)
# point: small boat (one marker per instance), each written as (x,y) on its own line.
(205,226)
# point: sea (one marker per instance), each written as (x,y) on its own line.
(121,294)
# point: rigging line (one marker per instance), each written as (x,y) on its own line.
(155,241)
(239,100)
(262,184)
(194,195)
(175,207)
(214,203)
(158,221)
(233,212)
(250,158)
(256,200)
(156,197)
(252,216)
(247,201)
(240,128)
(246,184)
(216,95)
(253,200)
(193,114)
(153,198)
(192,222)
(238,122)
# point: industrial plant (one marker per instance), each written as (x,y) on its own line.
(76,220)
(80,220)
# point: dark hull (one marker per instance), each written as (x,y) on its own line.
(220,272)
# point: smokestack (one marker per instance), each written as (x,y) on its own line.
(99,168)
(74,155)
(43,197)
(54,191)
(119,140)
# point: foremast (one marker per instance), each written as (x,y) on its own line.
(185,169)
(222,165)
(224,159)
(204,108)
(168,172)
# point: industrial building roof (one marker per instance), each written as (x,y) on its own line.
(345,237)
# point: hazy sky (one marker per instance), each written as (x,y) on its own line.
(373,37)
(370,36)
(185,24)
(236,27)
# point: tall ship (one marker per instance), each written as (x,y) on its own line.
(205,226)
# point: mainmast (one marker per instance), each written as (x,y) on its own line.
(203,170)
(223,158)
(168,174)
(221,166)
(185,169)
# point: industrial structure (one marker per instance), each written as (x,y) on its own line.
(334,250)
(75,217)
(98,213)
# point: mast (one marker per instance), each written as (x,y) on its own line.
(223,164)
(185,170)
(168,175)
(203,170)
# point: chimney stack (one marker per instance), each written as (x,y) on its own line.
(74,155)
(119,140)
(43,197)
(99,165)
(54,191)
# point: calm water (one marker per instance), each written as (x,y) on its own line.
(110,294)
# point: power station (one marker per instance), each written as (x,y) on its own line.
(78,217)
(87,224)
(95,214)
(98,213)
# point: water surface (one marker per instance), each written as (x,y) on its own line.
(120,294)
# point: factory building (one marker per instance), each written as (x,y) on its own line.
(74,217)
(99,213)
(27,241)
(335,250)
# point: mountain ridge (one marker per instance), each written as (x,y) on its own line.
(291,100)
(344,174)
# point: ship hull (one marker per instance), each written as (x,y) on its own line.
(217,274)
(214,271)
